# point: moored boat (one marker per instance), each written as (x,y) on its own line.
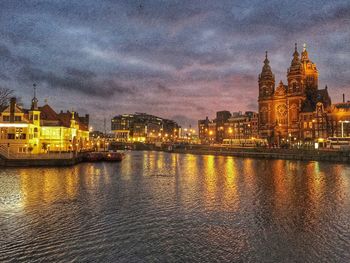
(113,156)
(94,157)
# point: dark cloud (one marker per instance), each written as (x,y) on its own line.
(74,80)
(166,57)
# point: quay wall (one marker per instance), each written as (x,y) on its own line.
(286,154)
(40,162)
(343,157)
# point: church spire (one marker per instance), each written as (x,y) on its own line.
(34,100)
(266,70)
(295,54)
(304,54)
(266,79)
(266,61)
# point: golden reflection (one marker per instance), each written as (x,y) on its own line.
(248,174)
(11,196)
(46,186)
(94,175)
(282,194)
(160,161)
(230,194)
(72,181)
(191,165)
(127,166)
(231,170)
(210,176)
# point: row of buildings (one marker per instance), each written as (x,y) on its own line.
(41,129)
(142,127)
(227,125)
(296,111)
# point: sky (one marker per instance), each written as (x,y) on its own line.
(182,60)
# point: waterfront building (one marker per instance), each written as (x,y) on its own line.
(212,131)
(281,108)
(322,123)
(144,127)
(41,129)
(221,118)
(242,126)
(229,126)
(295,112)
(203,130)
(299,111)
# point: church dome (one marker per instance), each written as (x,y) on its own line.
(266,72)
(296,66)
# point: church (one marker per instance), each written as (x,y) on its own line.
(281,107)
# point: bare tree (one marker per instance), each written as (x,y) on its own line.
(5,95)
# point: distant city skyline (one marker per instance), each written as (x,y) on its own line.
(177,60)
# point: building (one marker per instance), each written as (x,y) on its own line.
(282,108)
(143,127)
(41,129)
(203,130)
(229,126)
(242,126)
(221,118)
(324,122)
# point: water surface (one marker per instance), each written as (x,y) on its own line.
(161,207)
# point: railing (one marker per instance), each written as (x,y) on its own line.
(41,156)
(8,154)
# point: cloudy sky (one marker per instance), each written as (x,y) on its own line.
(175,59)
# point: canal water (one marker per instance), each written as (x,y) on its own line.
(161,207)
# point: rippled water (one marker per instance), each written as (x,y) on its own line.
(160,207)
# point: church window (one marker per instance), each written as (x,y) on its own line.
(282,114)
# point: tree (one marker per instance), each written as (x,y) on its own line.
(5,95)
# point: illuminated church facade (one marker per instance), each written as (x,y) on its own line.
(282,107)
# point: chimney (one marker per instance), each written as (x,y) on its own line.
(343,97)
(12,109)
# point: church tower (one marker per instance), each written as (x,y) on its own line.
(310,71)
(266,93)
(266,80)
(295,74)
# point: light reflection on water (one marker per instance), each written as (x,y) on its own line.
(157,206)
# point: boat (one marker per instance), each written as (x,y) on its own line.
(94,157)
(113,156)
